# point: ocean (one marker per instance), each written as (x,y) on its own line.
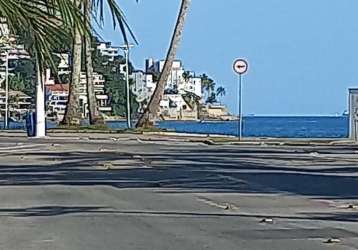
(278,127)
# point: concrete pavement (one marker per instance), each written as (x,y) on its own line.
(128,193)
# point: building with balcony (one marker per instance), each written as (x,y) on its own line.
(107,50)
(180,83)
(143,87)
(18,104)
(10,52)
(57,96)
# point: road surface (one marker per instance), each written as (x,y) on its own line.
(133,194)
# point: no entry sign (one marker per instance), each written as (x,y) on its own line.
(241,66)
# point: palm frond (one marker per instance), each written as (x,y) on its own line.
(118,18)
(43,24)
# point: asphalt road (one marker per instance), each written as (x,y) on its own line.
(135,194)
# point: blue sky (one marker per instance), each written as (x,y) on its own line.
(303,54)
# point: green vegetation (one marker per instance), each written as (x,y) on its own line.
(102,128)
(24,77)
(115,86)
(82,53)
(208,88)
(43,26)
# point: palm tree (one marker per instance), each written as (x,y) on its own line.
(91,8)
(207,84)
(72,113)
(211,99)
(220,91)
(151,112)
(186,76)
(43,25)
(91,95)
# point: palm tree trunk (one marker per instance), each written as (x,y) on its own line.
(197,103)
(72,115)
(151,112)
(91,95)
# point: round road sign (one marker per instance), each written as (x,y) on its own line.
(241,66)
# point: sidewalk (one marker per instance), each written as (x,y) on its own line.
(180,137)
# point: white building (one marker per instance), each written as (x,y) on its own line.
(176,80)
(4,28)
(111,53)
(57,100)
(101,97)
(64,65)
(143,85)
(193,85)
(19,103)
(58,93)
(58,96)
(107,50)
(173,105)
(176,74)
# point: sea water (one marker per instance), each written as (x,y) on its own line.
(279,127)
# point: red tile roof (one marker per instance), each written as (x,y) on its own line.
(58,87)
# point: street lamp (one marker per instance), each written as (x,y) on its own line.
(126,48)
(6,90)
(6,54)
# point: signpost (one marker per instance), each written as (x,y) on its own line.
(241,67)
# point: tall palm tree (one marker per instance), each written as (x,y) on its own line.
(151,112)
(43,25)
(72,114)
(91,8)
(91,95)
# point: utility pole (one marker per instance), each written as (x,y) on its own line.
(126,48)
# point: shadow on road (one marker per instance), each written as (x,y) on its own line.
(195,170)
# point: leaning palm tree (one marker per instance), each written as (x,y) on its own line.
(43,25)
(151,112)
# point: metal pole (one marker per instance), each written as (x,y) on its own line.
(240,108)
(238,105)
(126,51)
(6,91)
